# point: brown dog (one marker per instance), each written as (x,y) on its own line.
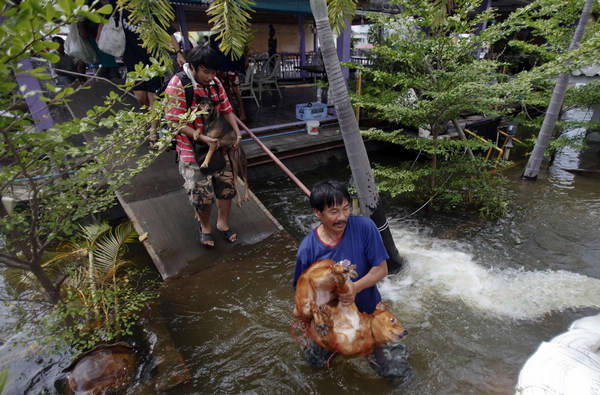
(345,330)
(320,284)
(217,127)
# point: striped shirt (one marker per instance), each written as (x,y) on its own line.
(176,106)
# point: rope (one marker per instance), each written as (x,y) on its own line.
(336,346)
(303,326)
(303,340)
(434,195)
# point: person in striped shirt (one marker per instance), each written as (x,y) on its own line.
(203,189)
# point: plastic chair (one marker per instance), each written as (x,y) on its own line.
(246,84)
(267,80)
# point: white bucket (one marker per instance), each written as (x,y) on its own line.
(312,127)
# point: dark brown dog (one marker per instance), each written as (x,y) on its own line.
(320,284)
(217,127)
(345,330)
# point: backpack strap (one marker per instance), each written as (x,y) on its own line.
(188,87)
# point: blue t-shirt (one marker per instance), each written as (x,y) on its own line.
(361,244)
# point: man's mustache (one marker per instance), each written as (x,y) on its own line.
(340,222)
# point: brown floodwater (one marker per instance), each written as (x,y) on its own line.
(477,297)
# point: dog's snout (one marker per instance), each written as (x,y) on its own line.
(404,333)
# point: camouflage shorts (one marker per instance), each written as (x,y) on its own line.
(389,361)
(202,189)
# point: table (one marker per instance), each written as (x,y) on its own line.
(315,69)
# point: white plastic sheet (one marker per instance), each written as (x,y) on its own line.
(568,364)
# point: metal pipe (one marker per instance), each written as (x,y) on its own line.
(275,159)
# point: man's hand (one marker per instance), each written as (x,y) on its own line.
(180,59)
(348,297)
(237,143)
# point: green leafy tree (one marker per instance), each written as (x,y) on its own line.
(556,102)
(54,181)
(426,76)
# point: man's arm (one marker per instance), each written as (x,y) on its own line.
(178,48)
(368,280)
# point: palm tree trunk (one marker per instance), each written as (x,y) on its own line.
(558,96)
(355,147)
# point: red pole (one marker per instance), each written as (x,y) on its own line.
(275,159)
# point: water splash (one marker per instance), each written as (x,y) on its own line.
(440,269)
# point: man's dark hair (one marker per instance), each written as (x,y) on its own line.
(58,39)
(204,56)
(328,193)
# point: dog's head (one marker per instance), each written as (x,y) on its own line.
(204,104)
(385,326)
(207,106)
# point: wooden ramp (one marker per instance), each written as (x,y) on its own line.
(158,206)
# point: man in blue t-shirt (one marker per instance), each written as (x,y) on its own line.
(341,236)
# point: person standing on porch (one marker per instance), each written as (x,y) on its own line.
(134,53)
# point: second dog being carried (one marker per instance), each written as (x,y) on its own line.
(219,186)
(217,127)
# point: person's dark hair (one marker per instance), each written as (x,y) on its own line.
(328,193)
(204,56)
(58,39)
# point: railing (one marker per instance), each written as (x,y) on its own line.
(492,147)
(290,61)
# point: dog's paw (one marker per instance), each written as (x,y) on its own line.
(322,329)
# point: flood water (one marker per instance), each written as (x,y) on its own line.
(477,297)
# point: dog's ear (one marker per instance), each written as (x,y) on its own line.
(381,306)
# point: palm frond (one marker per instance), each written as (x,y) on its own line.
(112,246)
(231,23)
(339,12)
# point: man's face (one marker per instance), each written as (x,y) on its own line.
(334,218)
(204,76)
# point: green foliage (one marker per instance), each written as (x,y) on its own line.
(62,175)
(231,23)
(425,75)
(73,322)
(339,12)
(102,292)
(536,60)
(3,378)
(152,17)
(462,183)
